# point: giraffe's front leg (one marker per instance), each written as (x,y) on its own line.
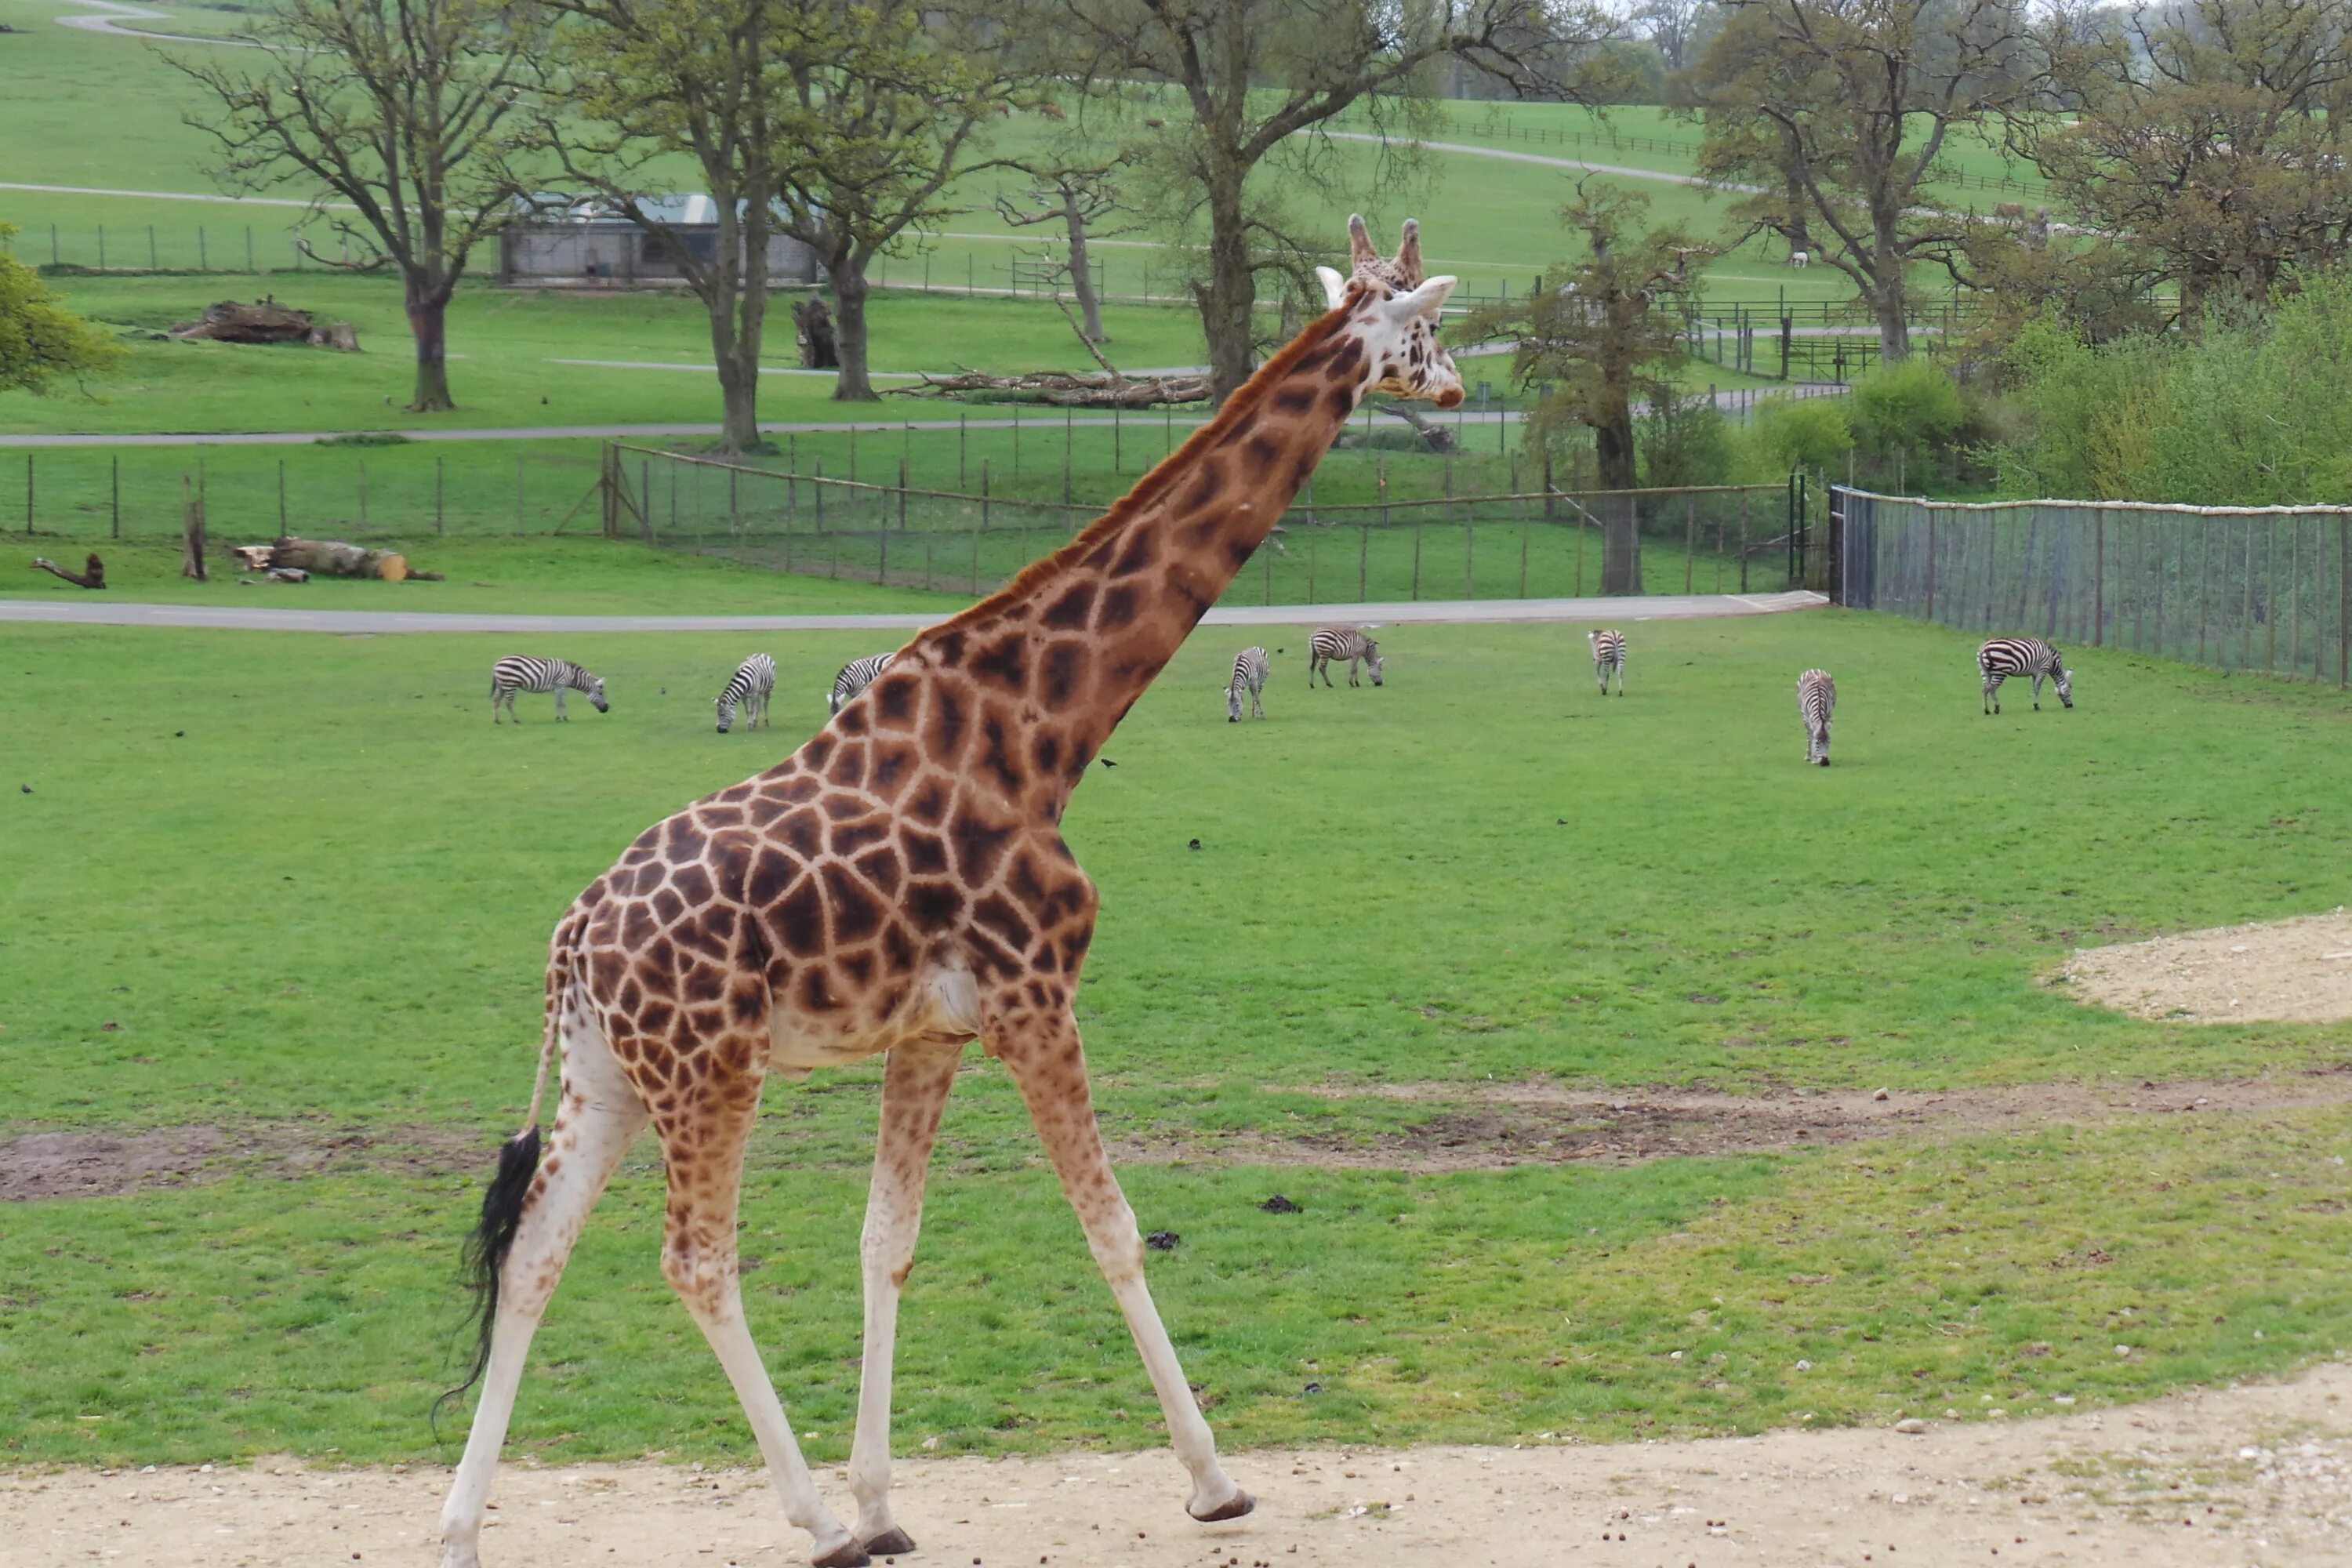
(915,1088)
(1040,1045)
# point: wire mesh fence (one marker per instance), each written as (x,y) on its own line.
(1536,544)
(2235,588)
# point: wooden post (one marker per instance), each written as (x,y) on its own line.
(646,501)
(1690,539)
(192,532)
(902,493)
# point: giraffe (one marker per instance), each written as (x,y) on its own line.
(899,887)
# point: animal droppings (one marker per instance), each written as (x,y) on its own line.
(1279,1204)
(1194,844)
(1163,1241)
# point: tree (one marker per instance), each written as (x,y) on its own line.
(2208,140)
(1075,190)
(644,81)
(41,342)
(890,98)
(1604,336)
(1838,110)
(1674,28)
(400,109)
(1252,74)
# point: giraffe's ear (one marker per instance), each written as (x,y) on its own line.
(1359,241)
(1425,301)
(1408,255)
(1335,287)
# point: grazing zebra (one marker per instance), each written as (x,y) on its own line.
(2004,657)
(1816,696)
(753,679)
(856,676)
(516,673)
(1249,675)
(1341,642)
(1608,655)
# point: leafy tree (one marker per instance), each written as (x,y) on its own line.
(2209,139)
(1605,336)
(890,98)
(1837,109)
(1252,75)
(643,82)
(41,342)
(402,111)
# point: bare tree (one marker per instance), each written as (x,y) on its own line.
(399,109)
(1255,74)
(1840,108)
(1077,193)
(647,80)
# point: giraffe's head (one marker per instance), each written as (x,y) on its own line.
(1394,311)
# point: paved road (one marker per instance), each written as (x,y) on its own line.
(1542,160)
(223,617)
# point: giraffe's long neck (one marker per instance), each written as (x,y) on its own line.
(1077,637)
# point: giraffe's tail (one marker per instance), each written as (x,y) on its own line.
(493,1237)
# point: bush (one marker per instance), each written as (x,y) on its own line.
(1803,432)
(1683,441)
(1907,409)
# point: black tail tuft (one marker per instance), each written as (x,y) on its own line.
(493,1238)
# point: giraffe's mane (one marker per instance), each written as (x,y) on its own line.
(1243,404)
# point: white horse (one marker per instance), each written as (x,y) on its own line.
(1800,259)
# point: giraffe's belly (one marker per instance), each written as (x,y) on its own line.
(941,1005)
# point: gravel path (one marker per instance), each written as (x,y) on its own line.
(1664,607)
(2259,1475)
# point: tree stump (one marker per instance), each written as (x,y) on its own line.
(813,328)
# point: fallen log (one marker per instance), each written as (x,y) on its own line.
(265,320)
(333,558)
(1064,389)
(92,575)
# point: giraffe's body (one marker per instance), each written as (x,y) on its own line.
(900,886)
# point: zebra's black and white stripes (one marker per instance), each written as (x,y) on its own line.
(517,672)
(1349,643)
(2003,656)
(1249,675)
(1816,698)
(856,676)
(1608,658)
(749,688)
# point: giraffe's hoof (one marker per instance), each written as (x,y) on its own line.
(1240,1503)
(848,1555)
(892,1542)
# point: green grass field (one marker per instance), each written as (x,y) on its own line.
(297,888)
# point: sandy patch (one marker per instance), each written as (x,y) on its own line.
(2259,1475)
(1490,1126)
(2298,971)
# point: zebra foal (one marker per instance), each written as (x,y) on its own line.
(748,688)
(856,676)
(1349,643)
(517,672)
(1608,657)
(1249,675)
(1816,697)
(2001,657)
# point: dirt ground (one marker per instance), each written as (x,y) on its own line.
(2298,971)
(2256,1475)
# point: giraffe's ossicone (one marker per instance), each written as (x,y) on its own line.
(900,885)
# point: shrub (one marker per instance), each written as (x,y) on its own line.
(1803,432)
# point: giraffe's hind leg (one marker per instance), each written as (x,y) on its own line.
(1039,1044)
(595,1119)
(703,1129)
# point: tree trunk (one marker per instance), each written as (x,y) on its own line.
(427,308)
(1621,535)
(1886,299)
(1082,277)
(191,533)
(1226,302)
(333,558)
(849,331)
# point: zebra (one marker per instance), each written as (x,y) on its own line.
(856,676)
(1608,655)
(517,673)
(1341,642)
(2003,656)
(1816,697)
(751,684)
(1249,675)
